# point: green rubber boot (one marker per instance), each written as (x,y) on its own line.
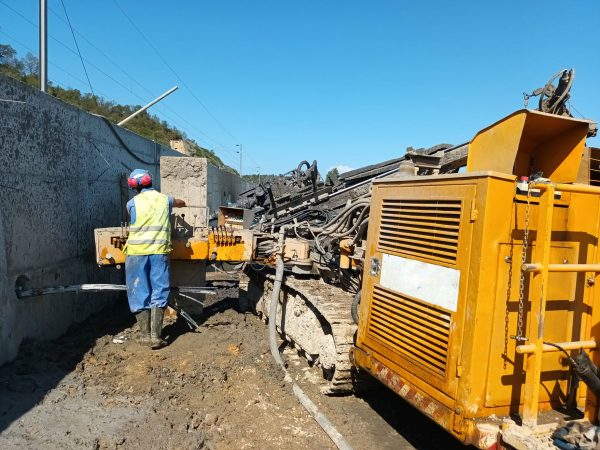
(156,321)
(143,321)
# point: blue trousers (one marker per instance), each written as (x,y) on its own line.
(147,279)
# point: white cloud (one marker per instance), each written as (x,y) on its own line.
(341,168)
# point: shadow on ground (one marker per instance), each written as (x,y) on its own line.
(40,366)
(413,426)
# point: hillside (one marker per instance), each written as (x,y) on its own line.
(26,70)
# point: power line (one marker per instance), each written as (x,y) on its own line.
(228,160)
(62,69)
(174,72)
(77,46)
(108,75)
(132,78)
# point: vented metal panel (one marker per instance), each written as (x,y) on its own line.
(413,328)
(425,228)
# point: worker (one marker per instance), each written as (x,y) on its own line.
(147,270)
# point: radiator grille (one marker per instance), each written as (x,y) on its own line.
(413,328)
(425,228)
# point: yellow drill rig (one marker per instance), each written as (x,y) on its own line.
(473,267)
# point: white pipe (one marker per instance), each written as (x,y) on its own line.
(144,108)
(43,62)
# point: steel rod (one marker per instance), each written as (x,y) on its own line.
(144,108)
(537,267)
(575,188)
(79,288)
(526,349)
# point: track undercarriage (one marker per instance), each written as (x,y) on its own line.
(315,318)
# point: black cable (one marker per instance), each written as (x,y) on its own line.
(132,78)
(97,68)
(551,344)
(111,126)
(174,72)
(78,50)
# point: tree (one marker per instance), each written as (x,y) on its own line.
(7,55)
(9,63)
(31,65)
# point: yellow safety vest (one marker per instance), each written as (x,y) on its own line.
(151,233)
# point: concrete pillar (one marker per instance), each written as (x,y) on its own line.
(185,178)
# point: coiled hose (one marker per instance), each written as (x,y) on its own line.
(308,404)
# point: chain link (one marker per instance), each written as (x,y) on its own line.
(519,336)
(510,262)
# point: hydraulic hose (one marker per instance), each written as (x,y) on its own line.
(345,214)
(359,221)
(584,368)
(587,372)
(308,404)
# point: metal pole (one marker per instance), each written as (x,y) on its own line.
(43,46)
(144,108)
(240,152)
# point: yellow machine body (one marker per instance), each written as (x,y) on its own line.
(441,295)
(215,246)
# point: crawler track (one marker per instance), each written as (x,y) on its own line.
(315,318)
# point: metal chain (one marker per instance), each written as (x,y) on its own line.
(509,260)
(519,336)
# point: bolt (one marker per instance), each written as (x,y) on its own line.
(590,281)
(508,259)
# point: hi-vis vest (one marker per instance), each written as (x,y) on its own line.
(151,233)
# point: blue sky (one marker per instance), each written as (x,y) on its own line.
(344,82)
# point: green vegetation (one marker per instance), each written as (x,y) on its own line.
(26,70)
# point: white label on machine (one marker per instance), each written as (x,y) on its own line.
(428,282)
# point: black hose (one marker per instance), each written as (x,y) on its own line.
(355,305)
(308,404)
(357,224)
(587,372)
(361,231)
(584,368)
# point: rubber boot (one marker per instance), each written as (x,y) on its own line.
(156,322)
(143,321)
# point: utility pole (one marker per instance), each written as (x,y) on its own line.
(43,46)
(240,152)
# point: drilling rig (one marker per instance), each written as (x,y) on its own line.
(462,277)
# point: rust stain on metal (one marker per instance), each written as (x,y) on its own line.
(426,404)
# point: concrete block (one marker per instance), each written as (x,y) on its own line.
(185,178)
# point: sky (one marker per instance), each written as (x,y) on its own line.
(348,83)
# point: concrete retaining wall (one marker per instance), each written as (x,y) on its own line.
(222,188)
(61,175)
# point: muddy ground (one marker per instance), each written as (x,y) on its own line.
(216,388)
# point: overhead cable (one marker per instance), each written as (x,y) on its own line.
(78,50)
(174,72)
